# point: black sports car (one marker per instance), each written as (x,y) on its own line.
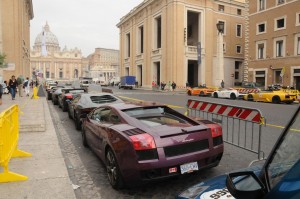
(86,102)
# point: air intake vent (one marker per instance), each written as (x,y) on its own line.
(135,131)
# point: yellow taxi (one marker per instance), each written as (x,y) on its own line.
(201,91)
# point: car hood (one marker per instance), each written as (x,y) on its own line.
(204,190)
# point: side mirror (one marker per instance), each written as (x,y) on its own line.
(83,115)
(245,185)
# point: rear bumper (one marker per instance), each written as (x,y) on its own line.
(151,170)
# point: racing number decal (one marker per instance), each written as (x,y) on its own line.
(217,194)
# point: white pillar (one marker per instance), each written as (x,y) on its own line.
(219,67)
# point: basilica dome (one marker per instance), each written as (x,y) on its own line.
(51,40)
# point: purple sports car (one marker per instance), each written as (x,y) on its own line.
(144,142)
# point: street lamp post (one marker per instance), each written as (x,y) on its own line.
(219,67)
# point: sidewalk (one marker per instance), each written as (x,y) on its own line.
(46,170)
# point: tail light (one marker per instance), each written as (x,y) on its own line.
(216,131)
(142,142)
(68,96)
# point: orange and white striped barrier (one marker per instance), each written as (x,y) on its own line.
(247,114)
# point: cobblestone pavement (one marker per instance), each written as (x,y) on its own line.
(88,172)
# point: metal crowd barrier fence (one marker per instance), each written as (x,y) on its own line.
(241,126)
(9,136)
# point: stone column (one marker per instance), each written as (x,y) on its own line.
(219,67)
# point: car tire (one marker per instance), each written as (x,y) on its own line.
(215,95)
(69,114)
(84,140)
(55,102)
(276,99)
(250,97)
(77,122)
(232,96)
(189,93)
(201,94)
(113,171)
(64,107)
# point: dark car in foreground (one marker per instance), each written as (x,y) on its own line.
(145,142)
(84,103)
(278,178)
(68,94)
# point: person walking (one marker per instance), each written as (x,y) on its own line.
(173,86)
(20,85)
(26,86)
(222,84)
(13,86)
(169,85)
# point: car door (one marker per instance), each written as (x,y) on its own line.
(104,125)
(73,105)
(92,129)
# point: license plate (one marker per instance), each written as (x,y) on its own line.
(189,167)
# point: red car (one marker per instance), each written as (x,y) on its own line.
(144,142)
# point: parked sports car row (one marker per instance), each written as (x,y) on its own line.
(141,142)
(276,96)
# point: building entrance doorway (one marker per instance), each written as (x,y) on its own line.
(139,75)
(297,82)
(156,72)
(126,71)
(193,73)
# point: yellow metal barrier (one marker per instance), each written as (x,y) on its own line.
(9,136)
(35,91)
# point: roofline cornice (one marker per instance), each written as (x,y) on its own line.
(135,10)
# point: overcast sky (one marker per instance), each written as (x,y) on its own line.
(86,24)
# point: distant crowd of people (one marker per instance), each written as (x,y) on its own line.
(162,85)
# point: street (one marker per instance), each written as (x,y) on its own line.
(88,172)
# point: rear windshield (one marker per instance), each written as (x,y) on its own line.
(103,99)
(76,91)
(155,116)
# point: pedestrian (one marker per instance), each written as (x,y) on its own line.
(1,92)
(163,85)
(13,86)
(7,88)
(222,84)
(187,84)
(20,85)
(26,86)
(169,85)
(173,85)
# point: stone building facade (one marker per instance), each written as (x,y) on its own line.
(65,64)
(15,16)
(159,39)
(274,42)
(103,63)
